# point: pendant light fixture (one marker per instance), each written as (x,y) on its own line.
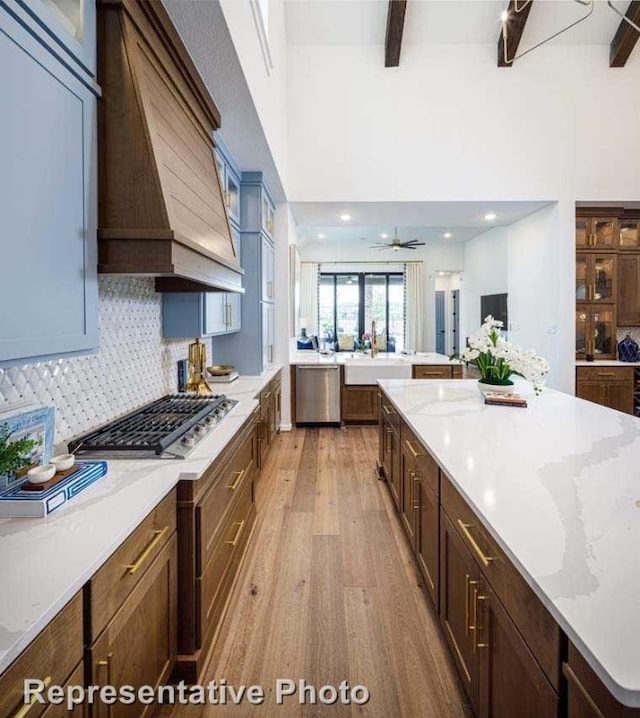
(519,8)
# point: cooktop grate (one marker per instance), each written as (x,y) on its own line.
(152,428)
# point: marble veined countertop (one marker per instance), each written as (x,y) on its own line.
(421,358)
(44,562)
(558,487)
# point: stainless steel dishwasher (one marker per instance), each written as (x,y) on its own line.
(318,394)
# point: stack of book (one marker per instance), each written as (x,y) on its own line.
(498,399)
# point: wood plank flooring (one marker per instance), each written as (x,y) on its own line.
(329,592)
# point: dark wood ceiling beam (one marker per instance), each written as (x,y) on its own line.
(395,26)
(626,37)
(515,27)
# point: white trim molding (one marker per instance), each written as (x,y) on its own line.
(263,38)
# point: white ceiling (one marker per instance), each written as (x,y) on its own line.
(363,22)
(427,221)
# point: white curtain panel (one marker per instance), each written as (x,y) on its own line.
(414,327)
(309,295)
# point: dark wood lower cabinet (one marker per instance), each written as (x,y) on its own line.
(427,537)
(609,386)
(459,578)
(359,404)
(138,646)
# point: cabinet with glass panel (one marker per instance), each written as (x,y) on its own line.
(597,232)
(596,331)
(596,275)
(629,234)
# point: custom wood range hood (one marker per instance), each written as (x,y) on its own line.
(161,211)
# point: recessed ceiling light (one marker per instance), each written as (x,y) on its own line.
(384,236)
(345,217)
(490,216)
(322,236)
(447,235)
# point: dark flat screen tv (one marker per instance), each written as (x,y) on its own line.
(496,305)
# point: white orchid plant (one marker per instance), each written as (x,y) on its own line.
(497,359)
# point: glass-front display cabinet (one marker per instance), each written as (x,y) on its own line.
(597,233)
(595,332)
(596,277)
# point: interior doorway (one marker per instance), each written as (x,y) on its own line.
(447,312)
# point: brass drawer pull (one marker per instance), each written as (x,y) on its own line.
(430,373)
(476,643)
(465,530)
(606,373)
(107,664)
(28,706)
(133,567)
(240,525)
(570,675)
(234,485)
(388,410)
(412,450)
(467,585)
(267,395)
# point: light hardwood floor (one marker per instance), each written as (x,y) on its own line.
(329,592)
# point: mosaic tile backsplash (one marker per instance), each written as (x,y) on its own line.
(134,364)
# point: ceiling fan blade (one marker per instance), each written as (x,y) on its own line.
(380,249)
(380,244)
(413,245)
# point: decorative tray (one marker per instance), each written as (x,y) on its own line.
(26,500)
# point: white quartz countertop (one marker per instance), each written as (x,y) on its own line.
(558,487)
(44,562)
(607,362)
(312,358)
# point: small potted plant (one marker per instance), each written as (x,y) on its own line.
(14,455)
(498,360)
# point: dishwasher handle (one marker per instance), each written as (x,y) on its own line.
(319,366)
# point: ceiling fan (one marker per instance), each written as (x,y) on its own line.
(396,244)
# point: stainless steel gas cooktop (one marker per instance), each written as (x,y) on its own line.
(170,427)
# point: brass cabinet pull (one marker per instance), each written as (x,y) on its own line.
(570,675)
(476,643)
(240,525)
(133,567)
(606,373)
(467,585)
(107,664)
(388,410)
(388,430)
(414,476)
(412,450)
(22,712)
(430,373)
(465,530)
(234,485)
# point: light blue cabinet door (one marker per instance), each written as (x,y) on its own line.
(268,267)
(48,284)
(67,26)
(215,313)
(267,334)
(234,317)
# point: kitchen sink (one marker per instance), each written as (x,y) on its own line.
(368,371)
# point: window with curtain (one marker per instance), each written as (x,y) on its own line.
(349,302)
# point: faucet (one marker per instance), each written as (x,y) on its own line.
(374,345)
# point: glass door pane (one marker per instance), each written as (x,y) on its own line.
(347,306)
(629,238)
(326,307)
(396,313)
(604,271)
(375,306)
(581,277)
(602,329)
(604,233)
(581,330)
(582,232)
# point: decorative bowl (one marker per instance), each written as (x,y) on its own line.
(220,369)
(62,462)
(40,474)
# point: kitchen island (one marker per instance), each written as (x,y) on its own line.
(554,489)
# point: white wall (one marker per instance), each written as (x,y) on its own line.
(269,90)
(541,307)
(485,272)
(449,125)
